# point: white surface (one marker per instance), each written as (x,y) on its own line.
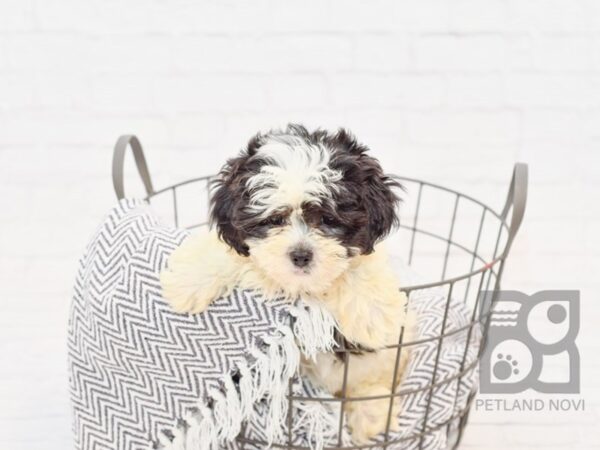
(449,91)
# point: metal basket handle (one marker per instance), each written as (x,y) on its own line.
(515,200)
(140,161)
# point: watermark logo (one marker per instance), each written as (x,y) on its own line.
(528,337)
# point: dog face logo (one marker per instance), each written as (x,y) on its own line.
(302,204)
(531,342)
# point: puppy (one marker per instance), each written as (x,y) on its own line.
(299,214)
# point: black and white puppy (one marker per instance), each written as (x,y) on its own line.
(300,214)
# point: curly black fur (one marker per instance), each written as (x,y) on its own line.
(365,200)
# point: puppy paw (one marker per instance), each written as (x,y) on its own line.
(198,271)
(183,296)
(367,419)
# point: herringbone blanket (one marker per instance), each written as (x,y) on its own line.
(142,376)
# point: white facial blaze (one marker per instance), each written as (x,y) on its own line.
(298,227)
(295,172)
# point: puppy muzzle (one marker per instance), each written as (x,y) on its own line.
(301,257)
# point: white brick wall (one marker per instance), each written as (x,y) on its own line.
(453,91)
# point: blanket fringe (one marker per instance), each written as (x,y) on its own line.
(320,421)
(265,374)
(313,327)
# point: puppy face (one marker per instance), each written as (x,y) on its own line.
(302,204)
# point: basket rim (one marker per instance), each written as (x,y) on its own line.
(489,265)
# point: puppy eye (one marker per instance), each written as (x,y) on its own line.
(275,221)
(329,221)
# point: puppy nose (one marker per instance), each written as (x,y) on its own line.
(301,257)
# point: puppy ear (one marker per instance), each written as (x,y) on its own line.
(228,194)
(366,180)
(379,200)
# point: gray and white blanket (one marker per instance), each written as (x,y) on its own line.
(143,376)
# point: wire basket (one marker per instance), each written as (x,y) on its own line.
(456,241)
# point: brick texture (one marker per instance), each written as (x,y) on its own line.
(453,91)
